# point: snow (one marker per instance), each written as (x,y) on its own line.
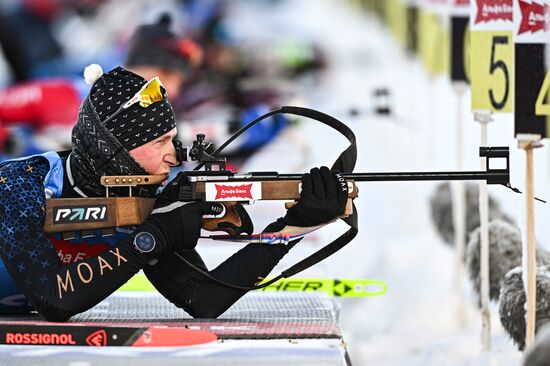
(428,316)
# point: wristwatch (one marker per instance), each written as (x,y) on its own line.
(144,242)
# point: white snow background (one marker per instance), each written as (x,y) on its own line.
(417,322)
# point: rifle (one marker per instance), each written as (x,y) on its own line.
(216,183)
(230,189)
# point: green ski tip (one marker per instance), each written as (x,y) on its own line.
(337,287)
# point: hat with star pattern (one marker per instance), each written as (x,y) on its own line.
(122,112)
(135,125)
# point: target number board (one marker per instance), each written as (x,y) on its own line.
(492,55)
(460,41)
(532,48)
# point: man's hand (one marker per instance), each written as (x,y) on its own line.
(180,226)
(322,199)
(176,224)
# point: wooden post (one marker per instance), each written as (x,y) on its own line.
(484,117)
(528,142)
(459,211)
(459,223)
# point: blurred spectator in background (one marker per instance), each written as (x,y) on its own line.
(218,86)
(26,35)
(50,106)
(155,50)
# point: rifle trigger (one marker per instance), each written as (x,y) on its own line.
(108,231)
(68,235)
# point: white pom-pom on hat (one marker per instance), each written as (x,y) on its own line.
(92,73)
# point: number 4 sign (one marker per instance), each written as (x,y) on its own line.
(532,37)
(532,47)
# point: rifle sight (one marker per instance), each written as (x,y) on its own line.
(199,151)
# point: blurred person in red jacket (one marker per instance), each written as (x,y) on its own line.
(154,50)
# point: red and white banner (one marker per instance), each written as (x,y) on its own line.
(532,21)
(487,15)
(233,191)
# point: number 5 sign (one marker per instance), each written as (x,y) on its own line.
(532,37)
(492,55)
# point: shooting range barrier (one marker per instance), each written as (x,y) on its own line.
(267,328)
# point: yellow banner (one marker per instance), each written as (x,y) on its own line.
(433,43)
(397,19)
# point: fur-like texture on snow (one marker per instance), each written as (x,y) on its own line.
(512,301)
(539,353)
(442,210)
(504,254)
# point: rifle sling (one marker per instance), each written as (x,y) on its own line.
(344,163)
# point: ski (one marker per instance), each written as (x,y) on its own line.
(337,287)
(104,335)
(343,287)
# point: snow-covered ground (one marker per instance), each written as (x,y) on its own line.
(425,318)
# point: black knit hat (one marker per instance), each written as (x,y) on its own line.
(136,125)
(105,133)
(156,45)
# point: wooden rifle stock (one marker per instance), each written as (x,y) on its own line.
(83,214)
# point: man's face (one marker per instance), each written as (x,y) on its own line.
(157,156)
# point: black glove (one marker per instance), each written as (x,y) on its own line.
(173,225)
(323,198)
(178,189)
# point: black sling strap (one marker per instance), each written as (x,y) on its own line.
(344,163)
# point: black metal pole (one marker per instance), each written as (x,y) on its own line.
(492,177)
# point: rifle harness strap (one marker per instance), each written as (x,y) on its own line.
(344,163)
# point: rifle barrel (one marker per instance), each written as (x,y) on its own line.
(430,176)
(495,176)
